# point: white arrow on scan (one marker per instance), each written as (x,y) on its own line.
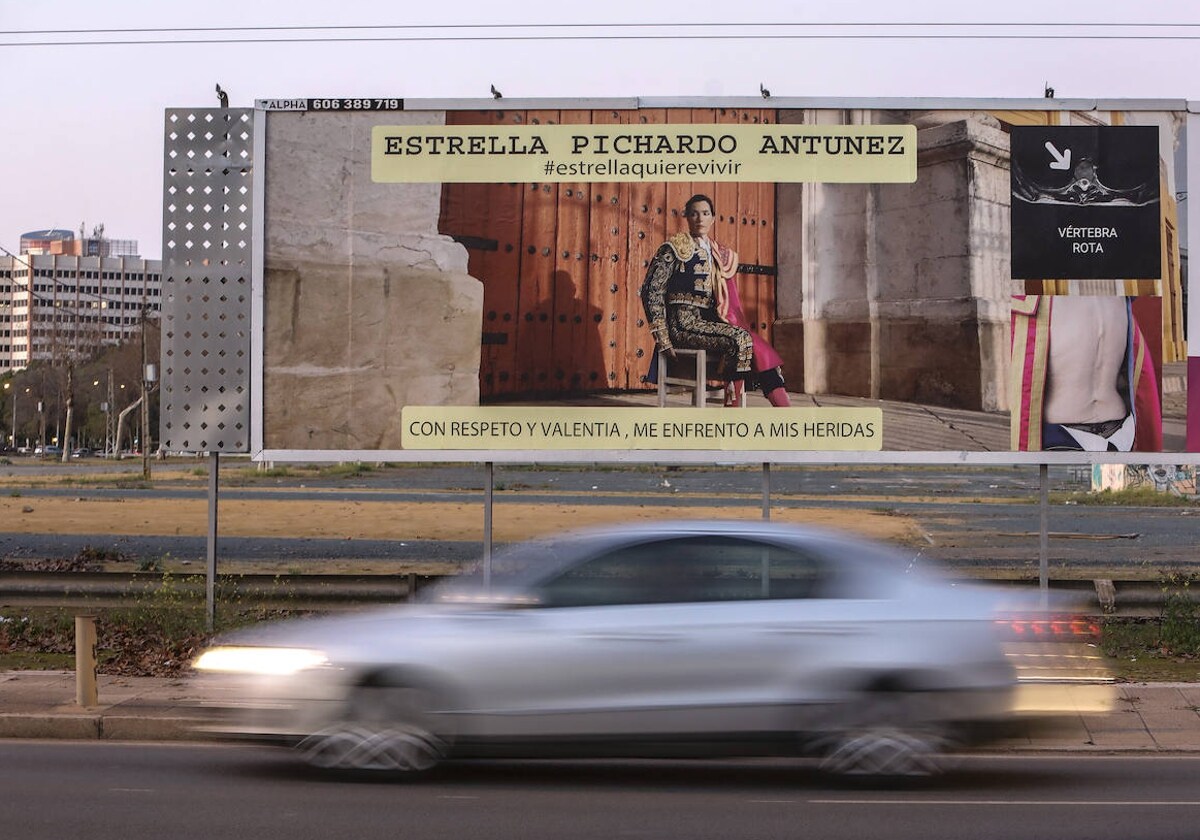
(1062,160)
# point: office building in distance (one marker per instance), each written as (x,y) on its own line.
(65,297)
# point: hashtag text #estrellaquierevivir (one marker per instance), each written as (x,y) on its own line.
(660,169)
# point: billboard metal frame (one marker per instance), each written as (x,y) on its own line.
(707,456)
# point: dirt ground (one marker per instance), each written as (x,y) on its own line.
(350,520)
(337,518)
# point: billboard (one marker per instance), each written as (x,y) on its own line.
(472,280)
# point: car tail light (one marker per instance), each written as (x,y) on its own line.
(1046,648)
(1048,628)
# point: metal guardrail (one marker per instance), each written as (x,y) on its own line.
(103,590)
(1106,597)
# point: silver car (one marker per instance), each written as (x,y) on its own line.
(739,638)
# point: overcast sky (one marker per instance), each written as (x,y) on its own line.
(82,135)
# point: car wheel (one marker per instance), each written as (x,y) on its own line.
(383,730)
(887,734)
(886,753)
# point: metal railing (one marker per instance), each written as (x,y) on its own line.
(86,590)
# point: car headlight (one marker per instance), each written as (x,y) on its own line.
(272,661)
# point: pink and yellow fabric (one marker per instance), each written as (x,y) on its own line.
(729,306)
(1031,316)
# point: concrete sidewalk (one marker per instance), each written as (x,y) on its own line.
(1144,717)
(41,704)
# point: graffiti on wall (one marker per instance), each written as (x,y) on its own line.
(1178,480)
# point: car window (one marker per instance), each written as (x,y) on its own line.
(512,568)
(686,570)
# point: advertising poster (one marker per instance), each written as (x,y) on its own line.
(1086,202)
(449,279)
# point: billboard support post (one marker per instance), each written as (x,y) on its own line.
(489,486)
(210,568)
(1044,534)
(766,506)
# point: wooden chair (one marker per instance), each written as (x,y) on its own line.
(688,373)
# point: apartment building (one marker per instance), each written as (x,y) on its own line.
(55,306)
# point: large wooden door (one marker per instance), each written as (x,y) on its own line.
(562,263)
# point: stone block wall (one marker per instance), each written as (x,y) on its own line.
(900,291)
(367,308)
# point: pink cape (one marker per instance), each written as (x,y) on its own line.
(765,356)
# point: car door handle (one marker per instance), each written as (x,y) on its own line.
(629,637)
(811,630)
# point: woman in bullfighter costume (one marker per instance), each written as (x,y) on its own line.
(691,302)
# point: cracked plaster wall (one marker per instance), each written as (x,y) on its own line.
(367,307)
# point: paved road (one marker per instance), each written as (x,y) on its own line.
(208,792)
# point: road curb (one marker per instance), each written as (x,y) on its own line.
(134,728)
(50,726)
(76,727)
(1091,749)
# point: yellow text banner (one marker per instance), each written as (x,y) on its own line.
(672,152)
(545,427)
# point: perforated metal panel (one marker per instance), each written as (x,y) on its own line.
(207,266)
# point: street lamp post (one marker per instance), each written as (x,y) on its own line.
(27,391)
(106,407)
(109,432)
(15,393)
(150,377)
